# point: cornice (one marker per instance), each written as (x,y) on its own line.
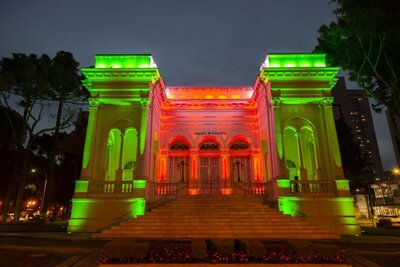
(99,74)
(209,105)
(299,74)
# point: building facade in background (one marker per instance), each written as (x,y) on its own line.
(395,140)
(277,139)
(354,107)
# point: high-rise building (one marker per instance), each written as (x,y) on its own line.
(354,107)
(395,140)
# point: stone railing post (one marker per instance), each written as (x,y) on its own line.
(139,188)
(283,187)
(81,188)
(342,188)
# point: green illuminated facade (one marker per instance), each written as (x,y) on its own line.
(146,140)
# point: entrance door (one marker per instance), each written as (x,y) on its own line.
(209,175)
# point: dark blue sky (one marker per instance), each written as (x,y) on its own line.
(207,42)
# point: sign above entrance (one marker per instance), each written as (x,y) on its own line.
(209,133)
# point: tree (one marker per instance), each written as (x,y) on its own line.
(26,79)
(23,79)
(65,82)
(10,122)
(365,42)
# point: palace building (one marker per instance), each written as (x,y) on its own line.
(148,142)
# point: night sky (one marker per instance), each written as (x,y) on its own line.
(207,42)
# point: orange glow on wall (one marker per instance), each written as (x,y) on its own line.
(226,191)
(193,191)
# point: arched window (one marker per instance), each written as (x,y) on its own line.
(239,146)
(209,146)
(300,148)
(179,146)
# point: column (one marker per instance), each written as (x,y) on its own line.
(265,163)
(162,171)
(88,153)
(316,158)
(303,172)
(155,167)
(193,188)
(282,172)
(141,164)
(118,173)
(225,165)
(255,167)
(333,144)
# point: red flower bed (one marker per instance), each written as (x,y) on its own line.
(182,253)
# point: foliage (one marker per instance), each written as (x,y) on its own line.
(365,42)
(28,84)
(10,122)
(65,81)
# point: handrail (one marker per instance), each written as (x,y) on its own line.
(123,215)
(164,198)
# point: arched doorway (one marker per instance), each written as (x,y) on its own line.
(209,168)
(301,150)
(178,162)
(240,162)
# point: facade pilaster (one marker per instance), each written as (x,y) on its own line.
(141,164)
(91,133)
(331,137)
(303,171)
(225,164)
(194,162)
(119,171)
(282,172)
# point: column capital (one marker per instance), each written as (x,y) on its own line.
(144,102)
(326,101)
(94,103)
(275,102)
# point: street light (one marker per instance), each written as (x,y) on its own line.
(237,163)
(183,164)
(44,187)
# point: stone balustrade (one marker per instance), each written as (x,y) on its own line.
(111,188)
(165,188)
(312,187)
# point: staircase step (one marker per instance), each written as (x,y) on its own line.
(237,236)
(216,217)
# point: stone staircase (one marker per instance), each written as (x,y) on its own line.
(235,216)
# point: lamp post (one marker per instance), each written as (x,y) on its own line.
(238,164)
(183,164)
(396,172)
(44,187)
